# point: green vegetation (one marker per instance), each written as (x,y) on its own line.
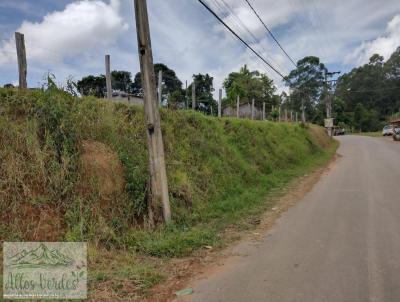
(76,169)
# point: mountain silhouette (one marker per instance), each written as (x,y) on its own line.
(42,256)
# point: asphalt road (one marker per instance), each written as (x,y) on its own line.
(340,243)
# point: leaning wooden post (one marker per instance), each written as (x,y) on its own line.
(108,77)
(159,88)
(263,113)
(193,96)
(220,103)
(252,109)
(237,106)
(21,57)
(158,176)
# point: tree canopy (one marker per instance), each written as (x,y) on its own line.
(249,85)
(370,93)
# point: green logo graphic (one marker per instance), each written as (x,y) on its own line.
(41,257)
(44,270)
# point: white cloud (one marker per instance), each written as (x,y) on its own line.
(80,27)
(384,45)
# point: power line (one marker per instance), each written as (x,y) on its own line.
(271,34)
(256,41)
(237,36)
(371,90)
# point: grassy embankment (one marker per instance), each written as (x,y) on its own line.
(76,169)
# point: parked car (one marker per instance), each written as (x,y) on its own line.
(387,130)
(396,134)
(339,131)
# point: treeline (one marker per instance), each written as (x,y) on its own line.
(362,100)
(367,96)
(246,84)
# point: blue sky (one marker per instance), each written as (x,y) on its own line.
(70,38)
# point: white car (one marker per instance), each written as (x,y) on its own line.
(387,130)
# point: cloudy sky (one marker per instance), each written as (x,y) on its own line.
(70,38)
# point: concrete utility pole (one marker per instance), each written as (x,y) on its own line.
(303,113)
(108,77)
(263,113)
(21,57)
(159,88)
(220,103)
(252,109)
(296,117)
(291,115)
(286,116)
(158,176)
(193,96)
(328,99)
(237,106)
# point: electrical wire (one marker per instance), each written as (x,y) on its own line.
(271,34)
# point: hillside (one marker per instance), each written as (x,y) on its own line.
(76,169)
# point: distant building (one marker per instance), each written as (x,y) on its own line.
(244,111)
(121,96)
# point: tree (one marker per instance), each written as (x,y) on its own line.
(171,82)
(204,92)
(249,85)
(307,84)
(376,86)
(92,85)
(121,80)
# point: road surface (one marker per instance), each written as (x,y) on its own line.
(340,243)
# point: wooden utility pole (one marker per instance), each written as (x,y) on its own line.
(252,109)
(263,114)
(158,175)
(220,103)
(193,96)
(21,57)
(159,87)
(108,77)
(238,106)
(286,116)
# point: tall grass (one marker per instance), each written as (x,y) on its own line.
(219,170)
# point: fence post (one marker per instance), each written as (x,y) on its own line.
(21,57)
(158,174)
(186,97)
(220,103)
(263,114)
(108,77)
(237,106)
(159,88)
(279,111)
(252,109)
(193,96)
